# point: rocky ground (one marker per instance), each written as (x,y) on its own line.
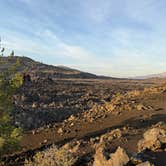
(44,101)
(70,117)
(131,124)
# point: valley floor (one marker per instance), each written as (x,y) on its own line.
(132,113)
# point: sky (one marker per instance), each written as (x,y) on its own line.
(120,38)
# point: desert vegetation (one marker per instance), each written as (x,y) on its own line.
(53,157)
(10,136)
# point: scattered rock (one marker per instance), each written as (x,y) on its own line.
(147,163)
(119,158)
(153,139)
(45,141)
(110,107)
(71,118)
(34,105)
(114,134)
(60,131)
(72,124)
(33,132)
(140,107)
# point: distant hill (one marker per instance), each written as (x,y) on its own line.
(37,69)
(160,75)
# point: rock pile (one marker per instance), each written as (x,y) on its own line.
(153,139)
(119,158)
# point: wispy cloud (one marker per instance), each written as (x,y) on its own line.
(47,44)
(116,38)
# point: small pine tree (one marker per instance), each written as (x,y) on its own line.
(12,53)
(10,136)
(2,51)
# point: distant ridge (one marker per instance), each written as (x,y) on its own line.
(37,69)
(160,75)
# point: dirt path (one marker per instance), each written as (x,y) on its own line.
(85,129)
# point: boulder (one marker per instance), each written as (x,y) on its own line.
(119,158)
(153,139)
(60,131)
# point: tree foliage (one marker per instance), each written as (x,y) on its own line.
(12,53)
(10,136)
(2,51)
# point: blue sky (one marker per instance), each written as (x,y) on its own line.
(119,38)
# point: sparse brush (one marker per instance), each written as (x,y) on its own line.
(53,157)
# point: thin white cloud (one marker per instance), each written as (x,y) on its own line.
(68,50)
(49,44)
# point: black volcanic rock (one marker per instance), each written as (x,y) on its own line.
(46,96)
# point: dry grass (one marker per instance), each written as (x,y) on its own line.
(53,157)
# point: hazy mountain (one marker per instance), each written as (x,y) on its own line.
(160,75)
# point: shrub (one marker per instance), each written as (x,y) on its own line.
(10,136)
(53,157)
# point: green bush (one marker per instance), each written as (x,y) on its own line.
(10,136)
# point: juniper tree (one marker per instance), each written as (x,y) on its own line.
(2,49)
(10,136)
(12,53)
